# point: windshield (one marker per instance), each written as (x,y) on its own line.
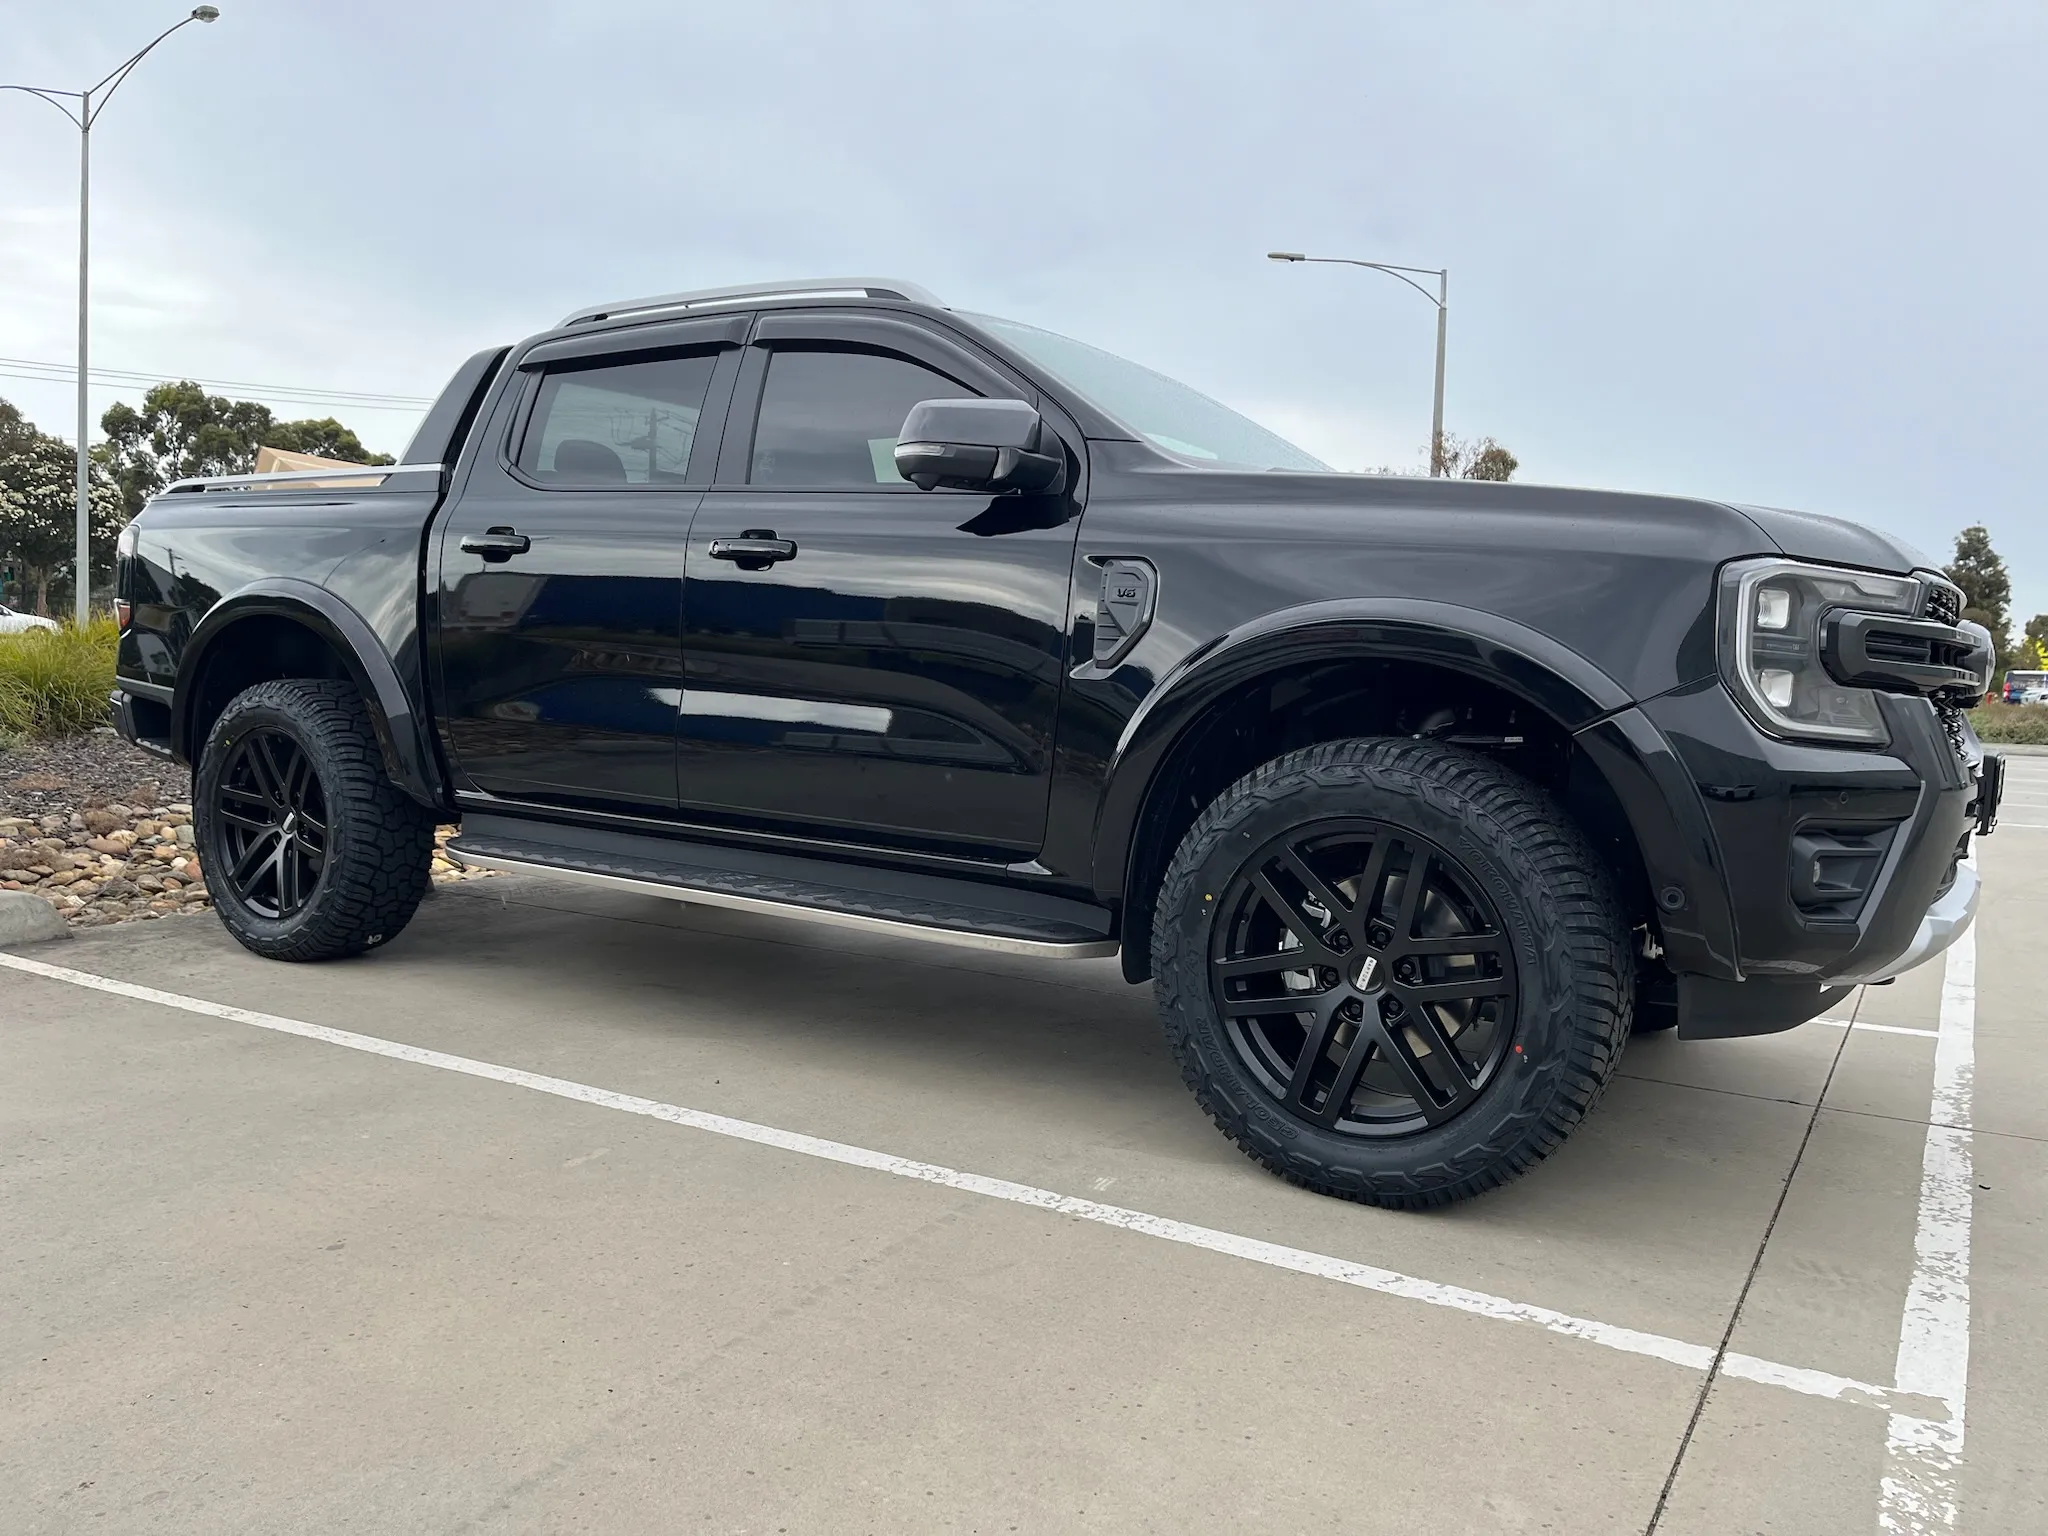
(1178,419)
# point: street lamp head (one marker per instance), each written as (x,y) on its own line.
(206,13)
(1285,256)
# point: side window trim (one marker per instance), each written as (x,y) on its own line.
(914,342)
(679,335)
(736,452)
(712,417)
(908,339)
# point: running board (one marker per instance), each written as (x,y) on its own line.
(938,910)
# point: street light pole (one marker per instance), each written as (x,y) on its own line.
(81,568)
(90,103)
(1441,299)
(1436,417)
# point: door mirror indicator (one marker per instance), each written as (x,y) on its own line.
(980,445)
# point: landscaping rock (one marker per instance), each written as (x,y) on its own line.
(26,919)
(88,838)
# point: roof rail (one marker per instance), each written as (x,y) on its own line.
(803,287)
(309,479)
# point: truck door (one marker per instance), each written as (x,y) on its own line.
(867,662)
(557,579)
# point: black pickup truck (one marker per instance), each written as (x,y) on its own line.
(1411,797)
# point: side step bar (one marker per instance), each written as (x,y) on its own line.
(933,908)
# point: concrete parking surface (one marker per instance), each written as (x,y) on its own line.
(569,1211)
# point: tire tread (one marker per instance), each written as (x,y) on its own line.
(1531,833)
(382,839)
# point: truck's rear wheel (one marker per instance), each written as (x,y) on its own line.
(310,851)
(1391,970)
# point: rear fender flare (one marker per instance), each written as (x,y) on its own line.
(393,715)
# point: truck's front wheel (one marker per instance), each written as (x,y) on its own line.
(310,851)
(1391,970)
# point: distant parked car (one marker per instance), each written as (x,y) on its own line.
(12,623)
(2026,687)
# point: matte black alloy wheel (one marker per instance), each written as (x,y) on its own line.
(273,821)
(1363,978)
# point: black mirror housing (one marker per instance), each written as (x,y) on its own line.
(980,445)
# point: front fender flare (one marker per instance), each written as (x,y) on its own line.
(393,714)
(1549,676)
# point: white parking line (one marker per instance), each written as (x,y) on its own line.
(1917,1496)
(1882,1029)
(1367,1277)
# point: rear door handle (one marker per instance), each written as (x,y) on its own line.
(496,544)
(754,550)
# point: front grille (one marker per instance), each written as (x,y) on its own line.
(1880,646)
(1916,650)
(1941,601)
(1952,723)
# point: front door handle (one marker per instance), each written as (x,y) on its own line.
(754,550)
(496,544)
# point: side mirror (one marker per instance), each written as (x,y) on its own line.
(980,445)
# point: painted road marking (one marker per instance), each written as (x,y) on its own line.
(1917,1496)
(1882,1029)
(1698,1357)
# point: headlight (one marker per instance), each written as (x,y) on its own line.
(1771,613)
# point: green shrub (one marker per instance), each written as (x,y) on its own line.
(2021,724)
(56,684)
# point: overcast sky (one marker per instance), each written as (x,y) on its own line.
(1789,252)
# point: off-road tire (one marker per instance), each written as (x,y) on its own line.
(380,847)
(1557,906)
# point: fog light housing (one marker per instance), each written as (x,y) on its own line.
(1835,868)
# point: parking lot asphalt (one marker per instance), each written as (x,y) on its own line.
(573,1211)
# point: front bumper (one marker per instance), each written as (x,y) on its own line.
(1713,1009)
(1946,921)
(1772,814)
(1911,806)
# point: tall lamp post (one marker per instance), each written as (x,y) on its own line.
(83,108)
(1441,299)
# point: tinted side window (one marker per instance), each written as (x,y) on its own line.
(830,418)
(619,424)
